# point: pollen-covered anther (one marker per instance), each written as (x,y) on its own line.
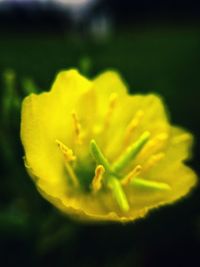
(162,136)
(98,178)
(154,145)
(68,157)
(128,178)
(77,127)
(153,160)
(111,107)
(181,138)
(133,125)
(67,152)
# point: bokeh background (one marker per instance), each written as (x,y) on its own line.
(155,45)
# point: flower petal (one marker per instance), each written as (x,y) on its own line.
(47,117)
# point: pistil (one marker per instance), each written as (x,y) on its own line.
(109,179)
(131,152)
(146,184)
(98,156)
(118,193)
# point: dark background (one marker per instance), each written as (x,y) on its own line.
(155,46)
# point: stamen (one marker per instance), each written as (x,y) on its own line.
(77,127)
(68,156)
(97,180)
(98,156)
(111,107)
(135,172)
(97,129)
(162,136)
(181,138)
(146,184)
(131,152)
(154,144)
(67,152)
(153,160)
(118,193)
(133,125)
(72,174)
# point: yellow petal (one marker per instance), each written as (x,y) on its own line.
(107,83)
(47,117)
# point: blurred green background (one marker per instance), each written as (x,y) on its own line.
(153,54)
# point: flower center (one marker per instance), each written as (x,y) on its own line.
(111,176)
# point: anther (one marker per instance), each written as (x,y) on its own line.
(153,160)
(112,100)
(111,107)
(152,185)
(67,152)
(97,180)
(131,152)
(131,175)
(162,136)
(181,138)
(154,144)
(77,127)
(68,156)
(133,125)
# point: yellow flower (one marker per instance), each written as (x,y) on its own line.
(98,153)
